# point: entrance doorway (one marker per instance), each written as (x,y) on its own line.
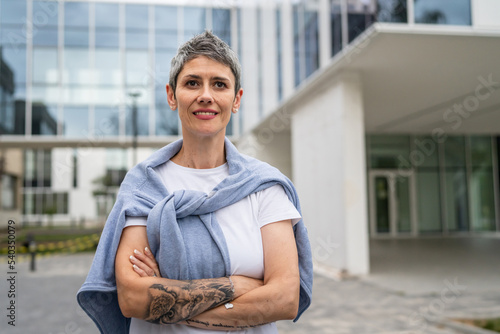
(392,203)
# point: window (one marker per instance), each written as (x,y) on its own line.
(76,24)
(136,26)
(37,168)
(454,12)
(9,192)
(106,25)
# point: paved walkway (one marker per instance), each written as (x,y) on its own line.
(376,304)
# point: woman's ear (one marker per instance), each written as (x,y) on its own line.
(172,102)
(237,101)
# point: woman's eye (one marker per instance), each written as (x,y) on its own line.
(191,83)
(220,84)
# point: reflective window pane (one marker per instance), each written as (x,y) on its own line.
(481,151)
(162,71)
(194,21)
(74,95)
(389,151)
(107,38)
(76,14)
(136,39)
(140,123)
(454,152)
(454,12)
(136,17)
(392,11)
(46,36)
(482,184)
(136,26)
(76,122)
(43,119)
(428,199)
(221,24)
(424,152)
(306,49)
(165,18)
(76,23)
(360,15)
(311,42)
(336,26)
(106,25)
(137,65)
(106,15)
(167,121)
(45,66)
(76,37)
(12,11)
(109,96)
(13,60)
(482,199)
(457,211)
(107,121)
(45,94)
(76,67)
(45,21)
(107,67)
(12,23)
(166,37)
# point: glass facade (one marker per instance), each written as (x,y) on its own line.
(454,184)
(90,63)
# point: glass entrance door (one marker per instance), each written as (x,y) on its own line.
(391,203)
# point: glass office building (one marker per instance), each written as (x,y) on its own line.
(83,81)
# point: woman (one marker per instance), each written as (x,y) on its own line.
(201,238)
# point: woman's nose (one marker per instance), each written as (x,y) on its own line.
(205,96)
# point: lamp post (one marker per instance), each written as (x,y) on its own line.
(135,128)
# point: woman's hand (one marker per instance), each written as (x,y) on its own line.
(145,263)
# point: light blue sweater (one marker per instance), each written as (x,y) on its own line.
(183,232)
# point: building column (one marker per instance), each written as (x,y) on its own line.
(329,170)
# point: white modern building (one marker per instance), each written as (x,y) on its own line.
(384,113)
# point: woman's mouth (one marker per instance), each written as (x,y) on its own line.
(205,114)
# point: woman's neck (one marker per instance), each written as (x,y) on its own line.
(201,153)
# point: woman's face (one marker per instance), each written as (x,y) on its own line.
(205,97)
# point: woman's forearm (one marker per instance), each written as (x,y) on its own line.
(179,300)
(163,300)
(263,305)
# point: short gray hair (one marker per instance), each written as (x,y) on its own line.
(208,45)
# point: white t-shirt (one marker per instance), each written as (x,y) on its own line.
(240,223)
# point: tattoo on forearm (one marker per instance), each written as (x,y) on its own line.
(206,324)
(170,304)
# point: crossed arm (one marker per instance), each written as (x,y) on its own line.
(199,303)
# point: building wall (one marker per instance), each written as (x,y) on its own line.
(13,166)
(485,13)
(329,171)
